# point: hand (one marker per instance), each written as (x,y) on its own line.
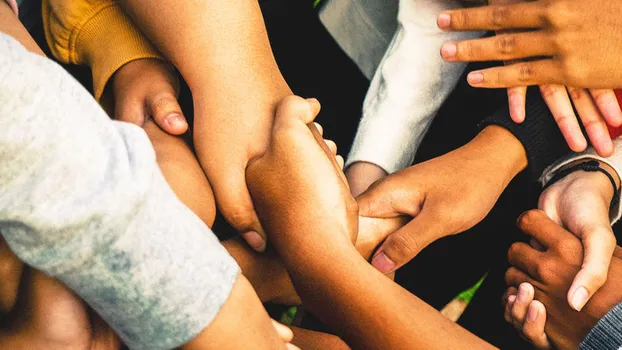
(580,203)
(596,107)
(551,269)
(298,183)
(147,88)
(569,43)
(361,175)
(527,315)
(445,195)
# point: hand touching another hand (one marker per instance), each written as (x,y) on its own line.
(444,196)
(580,203)
(148,88)
(550,268)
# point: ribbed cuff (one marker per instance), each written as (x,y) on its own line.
(539,134)
(106,42)
(607,334)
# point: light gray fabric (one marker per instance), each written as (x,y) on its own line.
(82,199)
(607,335)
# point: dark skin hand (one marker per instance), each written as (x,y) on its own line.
(550,264)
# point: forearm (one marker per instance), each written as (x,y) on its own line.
(337,278)
(10,24)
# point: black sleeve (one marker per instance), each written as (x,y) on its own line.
(539,133)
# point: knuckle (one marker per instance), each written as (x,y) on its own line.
(400,248)
(506,44)
(599,278)
(526,72)
(513,251)
(241,217)
(528,218)
(499,16)
(549,91)
(576,93)
(569,246)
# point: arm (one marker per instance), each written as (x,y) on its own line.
(49,175)
(337,278)
(410,85)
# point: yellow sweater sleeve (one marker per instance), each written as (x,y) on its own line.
(96,33)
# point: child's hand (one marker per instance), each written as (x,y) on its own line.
(297,182)
(527,315)
(148,88)
(361,175)
(549,264)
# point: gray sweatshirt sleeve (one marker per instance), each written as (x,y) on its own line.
(82,199)
(607,334)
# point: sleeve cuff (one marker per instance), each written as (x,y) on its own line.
(615,162)
(607,334)
(108,41)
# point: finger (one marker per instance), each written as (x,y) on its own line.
(599,244)
(332,146)
(319,128)
(165,110)
(129,110)
(593,121)
(523,299)
(501,47)
(405,243)
(608,106)
(525,258)
(294,107)
(236,206)
(540,72)
(517,97)
(284,332)
(618,252)
(389,198)
(533,328)
(558,101)
(340,161)
(538,225)
(496,17)
(507,314)
(514,277)
(508,292)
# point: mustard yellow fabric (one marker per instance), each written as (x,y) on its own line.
(96,33)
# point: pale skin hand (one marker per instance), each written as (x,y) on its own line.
(222,50)
(580,203)
(361,175)
(438,195)
(596,107)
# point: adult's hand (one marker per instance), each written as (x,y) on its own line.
(580,203)
(596,107)
(572,43)
(145,89)
(550,267)
(444,196)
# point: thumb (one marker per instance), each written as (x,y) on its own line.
(236,206)
(388,198)
(165,110)
(294,107)
(598,247)
(405,243)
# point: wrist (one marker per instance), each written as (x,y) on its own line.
(501,153)
(595,178)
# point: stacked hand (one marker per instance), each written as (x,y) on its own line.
(572,46)
(544,270)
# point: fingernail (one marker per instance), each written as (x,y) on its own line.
(523,293)
(475,78)
(176,120)
(448,50)
(579,298)
(255,240)
(443,20)
(511,300)
(532,313)
(383,263)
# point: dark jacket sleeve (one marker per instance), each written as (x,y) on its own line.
(607,334)
(539,133)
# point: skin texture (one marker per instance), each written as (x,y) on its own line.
(337,277)
(438,197)
(596,107)
(580,203)
(361,175)
(222,50)
(550,268)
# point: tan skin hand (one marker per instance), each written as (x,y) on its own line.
(438,197)
(147,89)
(596,107)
